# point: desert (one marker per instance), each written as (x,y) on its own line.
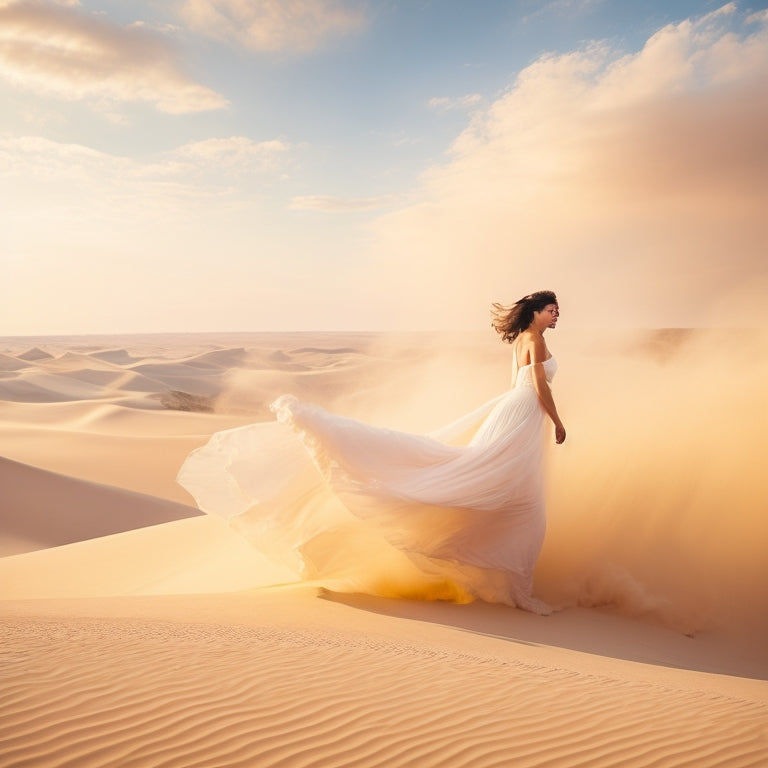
(273,489)
(138,631)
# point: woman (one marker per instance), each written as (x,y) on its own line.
(427,517)
(528,319)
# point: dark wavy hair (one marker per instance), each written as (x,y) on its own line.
(508,322)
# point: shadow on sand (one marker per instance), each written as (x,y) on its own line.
(597,631)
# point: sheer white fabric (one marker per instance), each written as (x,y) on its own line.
(384,511)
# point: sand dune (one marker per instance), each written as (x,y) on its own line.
(114,441)
(136,634)
(220,358)
(145,464)
(179,376)
(83,412)
(70,377)
(10,363)
(320,351)
(193,555)
(48,510)
(103,378)
(116,356)
(49,388)
(69,361)
(35,354)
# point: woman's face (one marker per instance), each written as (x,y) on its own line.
(548,316)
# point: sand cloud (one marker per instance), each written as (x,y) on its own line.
(265,25)
(60,50)
(632,183)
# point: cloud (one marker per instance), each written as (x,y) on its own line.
(60,180)
(237,153)
(462,102)
(330,204)
(266,25)
(59,50)
(634,184)
(35,159)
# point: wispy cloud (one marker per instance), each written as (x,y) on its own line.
(266,25)
(236,153)
(35,159)
(57,176)
(330,204)
(635,181)
(61,50)
(467,101)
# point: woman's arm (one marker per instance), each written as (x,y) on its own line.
(538,355)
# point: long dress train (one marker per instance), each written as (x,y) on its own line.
(389,512)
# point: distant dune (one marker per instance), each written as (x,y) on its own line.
(9,363)
(117,356)
(34,354)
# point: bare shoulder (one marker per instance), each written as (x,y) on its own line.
(530,348)
(537,347)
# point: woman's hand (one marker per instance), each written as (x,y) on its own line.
(559,433)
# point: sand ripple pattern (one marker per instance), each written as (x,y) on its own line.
(206,695)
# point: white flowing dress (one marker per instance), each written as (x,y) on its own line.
(387,512)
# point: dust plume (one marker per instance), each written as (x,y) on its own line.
(658,502)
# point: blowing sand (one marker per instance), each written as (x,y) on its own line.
(138,633)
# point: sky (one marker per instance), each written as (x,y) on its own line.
(235,165)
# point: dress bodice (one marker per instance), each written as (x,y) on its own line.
(525,372)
